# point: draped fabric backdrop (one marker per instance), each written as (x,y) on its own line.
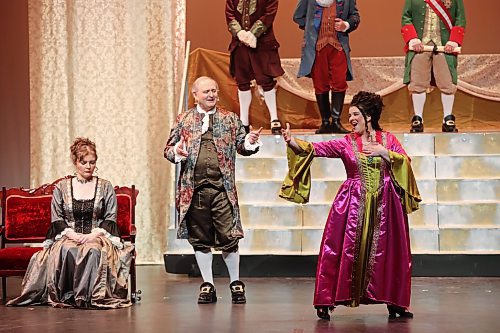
(107,70)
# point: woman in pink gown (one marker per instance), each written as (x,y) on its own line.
(365,253)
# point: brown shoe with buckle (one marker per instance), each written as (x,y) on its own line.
(238,292)
(417,124)
(449,124)
(208,293)
(276,127)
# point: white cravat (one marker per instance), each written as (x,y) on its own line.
(206,118)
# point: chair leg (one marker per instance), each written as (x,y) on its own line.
(132,281)
(4,289)
(134,293)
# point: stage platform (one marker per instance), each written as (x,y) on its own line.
(459,180)
(458,305)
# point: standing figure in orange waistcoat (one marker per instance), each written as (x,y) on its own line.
(326,54)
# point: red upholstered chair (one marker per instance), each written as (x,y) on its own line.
(126,197)
(26,219)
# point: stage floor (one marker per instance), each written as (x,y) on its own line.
(274,305)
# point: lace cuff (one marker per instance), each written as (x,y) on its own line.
(63,233)
(47,243)
(252,146)
(178,157)
(116,241)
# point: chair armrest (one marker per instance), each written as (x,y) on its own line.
(133,230)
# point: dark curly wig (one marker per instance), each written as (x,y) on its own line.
(369,104)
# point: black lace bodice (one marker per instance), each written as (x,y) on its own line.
(82,211)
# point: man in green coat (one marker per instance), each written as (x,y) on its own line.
(434,23)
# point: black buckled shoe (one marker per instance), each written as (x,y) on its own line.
(207,293)
(323,311)
(417,124)
(247,128)
(276,127)
(238,292)
(324,128)
(396,310)
(449,124)
(338,128)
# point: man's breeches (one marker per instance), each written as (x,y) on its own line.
(329,71)
(250,65)
(210,221)
(420,75)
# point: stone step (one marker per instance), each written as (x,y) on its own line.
(422,240)
(415,144)
(289,215)
(468,189)
(322,191)
(465,214)
(276,168)
(468,144)
(298,241)
(315,215)
(468,167)
(474,238)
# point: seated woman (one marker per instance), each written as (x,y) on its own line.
(84,263)
(364,256)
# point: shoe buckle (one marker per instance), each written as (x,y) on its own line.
(238,289)
(416,123)
(450,123)
(206,289)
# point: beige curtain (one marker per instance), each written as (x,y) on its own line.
(108,70)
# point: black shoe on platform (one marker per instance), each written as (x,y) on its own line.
(396,310)
(238,292)
(325,128)
(207,293)
(449,124)
(323,312)
(337,127)
(276,127)
(417,125)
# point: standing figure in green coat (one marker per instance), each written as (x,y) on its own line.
(435,23)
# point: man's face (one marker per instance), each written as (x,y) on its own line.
(206,94)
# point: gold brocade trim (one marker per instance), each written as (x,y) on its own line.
(376,227)
(98,196)
(355,293)
(258,28)
(68,199)
(368,226)
(234,27)
(252,6)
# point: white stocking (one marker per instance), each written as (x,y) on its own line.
(447,101)
(245,98)
(232,260)
(270,99)
(418,103)
(204,261)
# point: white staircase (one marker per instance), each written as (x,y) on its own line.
(458,177)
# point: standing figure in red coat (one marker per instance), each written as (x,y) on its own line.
(254,54)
